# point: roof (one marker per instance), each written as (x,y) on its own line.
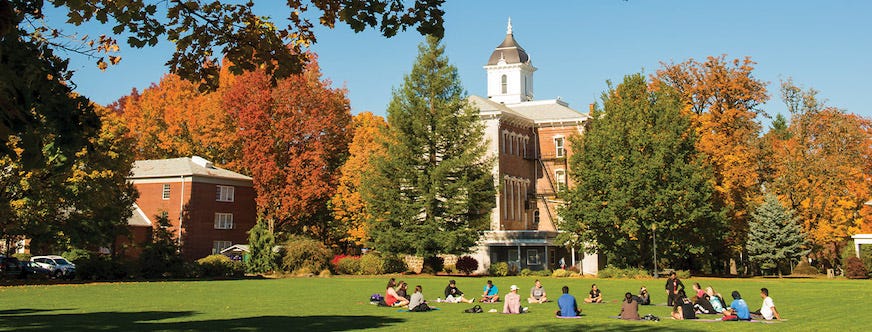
(509,50)
(485,105)
(138,218)
(553,110)
(186,166)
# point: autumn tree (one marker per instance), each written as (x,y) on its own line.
(775,237)
(294,137)
(723,99)
(432,192)
(635,169)
(349,209)
(822,169)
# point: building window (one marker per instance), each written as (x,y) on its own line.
(217,246)
(536,219)
(505,84)
(532,257)
(166,191)
(560,152)
(560,177)
(505,141)
(223,221)
(224,194)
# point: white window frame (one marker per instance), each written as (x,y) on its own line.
(560,149)
(223,220)
(504,83)
(165,192)
(533,257)
(225,193)
(560,178)
(219,245)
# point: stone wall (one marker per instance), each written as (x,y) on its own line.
(416,263)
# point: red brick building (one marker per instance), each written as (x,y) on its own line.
(530,141)
(209,208)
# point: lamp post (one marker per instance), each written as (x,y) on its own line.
(654,236)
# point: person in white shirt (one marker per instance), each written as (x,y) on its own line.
(767,310)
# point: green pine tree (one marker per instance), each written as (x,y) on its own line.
(636,167)
(260,243)
(775,237)
(433,191)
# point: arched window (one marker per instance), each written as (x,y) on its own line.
(505,84)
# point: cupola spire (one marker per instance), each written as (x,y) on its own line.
(509,28)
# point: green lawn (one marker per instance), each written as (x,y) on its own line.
(340,304)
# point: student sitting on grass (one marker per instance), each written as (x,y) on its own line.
(702,305)
(512,303)
(454,295)
(683,308)
(567,305)
(767,310)
(391,297)
(417,302)
(491,293)
(595,295)
(629,308)
(738,309)
(644,297)
(715,299)
(537,293)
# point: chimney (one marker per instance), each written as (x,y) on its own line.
(591,107)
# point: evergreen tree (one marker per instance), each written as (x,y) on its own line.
(260,243)
(636,167)
(432,192)
(775,237)
(160,257)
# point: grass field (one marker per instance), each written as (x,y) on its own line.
(340,304)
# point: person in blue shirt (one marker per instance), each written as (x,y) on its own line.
(567,305)
(491,293)
(738,309)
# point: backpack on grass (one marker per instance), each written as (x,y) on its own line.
(474,310)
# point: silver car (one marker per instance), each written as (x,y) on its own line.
(57,265)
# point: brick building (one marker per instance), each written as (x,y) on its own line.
(209,208)
(530,141)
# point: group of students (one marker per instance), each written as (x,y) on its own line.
(708,301)
(703,301)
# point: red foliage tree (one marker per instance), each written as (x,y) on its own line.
(295,135)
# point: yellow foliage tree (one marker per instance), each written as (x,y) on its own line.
(349,209)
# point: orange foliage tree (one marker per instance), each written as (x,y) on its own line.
(349,209)
(174,119)
(823,168)
(723,98)
(294,138)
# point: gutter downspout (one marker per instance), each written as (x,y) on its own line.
(181,210)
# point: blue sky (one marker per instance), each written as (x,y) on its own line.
(577,46)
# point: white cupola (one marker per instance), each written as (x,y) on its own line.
(509,72)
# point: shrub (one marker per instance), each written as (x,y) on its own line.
(574,268)
(348,265)
(220,266)
(561,273)
(325,273)
(261,243)
(854,269)
(681,274)
(393,264)
(449,268)
(76,255)
(542,273)
(22,256)
(371,264)
(466,264)
(433,265)
(633,273)
(97,267)
(526,273)
(804,268)
(302,252)
(500,269)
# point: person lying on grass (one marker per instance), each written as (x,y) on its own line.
(566,305)
(683,308)
(595,295)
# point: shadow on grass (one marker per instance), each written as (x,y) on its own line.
(628,326)
(45,320)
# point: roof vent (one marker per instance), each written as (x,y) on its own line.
(202,162)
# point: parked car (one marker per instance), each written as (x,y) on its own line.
(32,270)
(57,265)
(10,267)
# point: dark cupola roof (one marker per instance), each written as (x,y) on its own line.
(509,50)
